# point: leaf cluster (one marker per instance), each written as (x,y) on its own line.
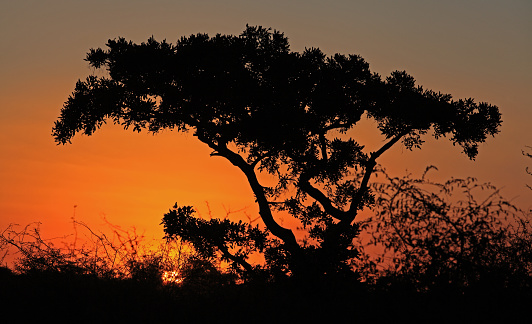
(275,105)
(231,241)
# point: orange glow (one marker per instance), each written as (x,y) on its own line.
(172,277)
(133,179)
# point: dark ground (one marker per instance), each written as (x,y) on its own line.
(73,299)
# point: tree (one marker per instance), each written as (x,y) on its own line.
(267,109)
(460,234)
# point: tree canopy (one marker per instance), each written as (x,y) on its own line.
(268,109)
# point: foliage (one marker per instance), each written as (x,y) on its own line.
(460,234)
(270,110)
(215,238)
(122,256)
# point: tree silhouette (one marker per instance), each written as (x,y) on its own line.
(267,109)
(460,234)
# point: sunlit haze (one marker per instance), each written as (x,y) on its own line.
(478,49)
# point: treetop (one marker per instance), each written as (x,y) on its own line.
(252,91)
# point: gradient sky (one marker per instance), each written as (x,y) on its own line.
(479,49)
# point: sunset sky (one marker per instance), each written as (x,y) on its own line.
(475,48)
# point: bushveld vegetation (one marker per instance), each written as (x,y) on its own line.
(456,235)
(290,116)
(269,111)
(450,247)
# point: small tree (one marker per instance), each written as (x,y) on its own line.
(269,110)
(460,234)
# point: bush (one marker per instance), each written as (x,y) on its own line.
(457,235)
(123,255)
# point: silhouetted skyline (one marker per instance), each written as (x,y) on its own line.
(479,49)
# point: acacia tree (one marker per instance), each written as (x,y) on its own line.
(268,109)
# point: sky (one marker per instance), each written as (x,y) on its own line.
(474,48)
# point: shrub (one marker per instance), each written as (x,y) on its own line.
(457,235)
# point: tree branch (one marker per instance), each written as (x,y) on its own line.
(323,147)
(258,159)
(286,235)
(356,201)
(349,215)
(304,184)
(241,261)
